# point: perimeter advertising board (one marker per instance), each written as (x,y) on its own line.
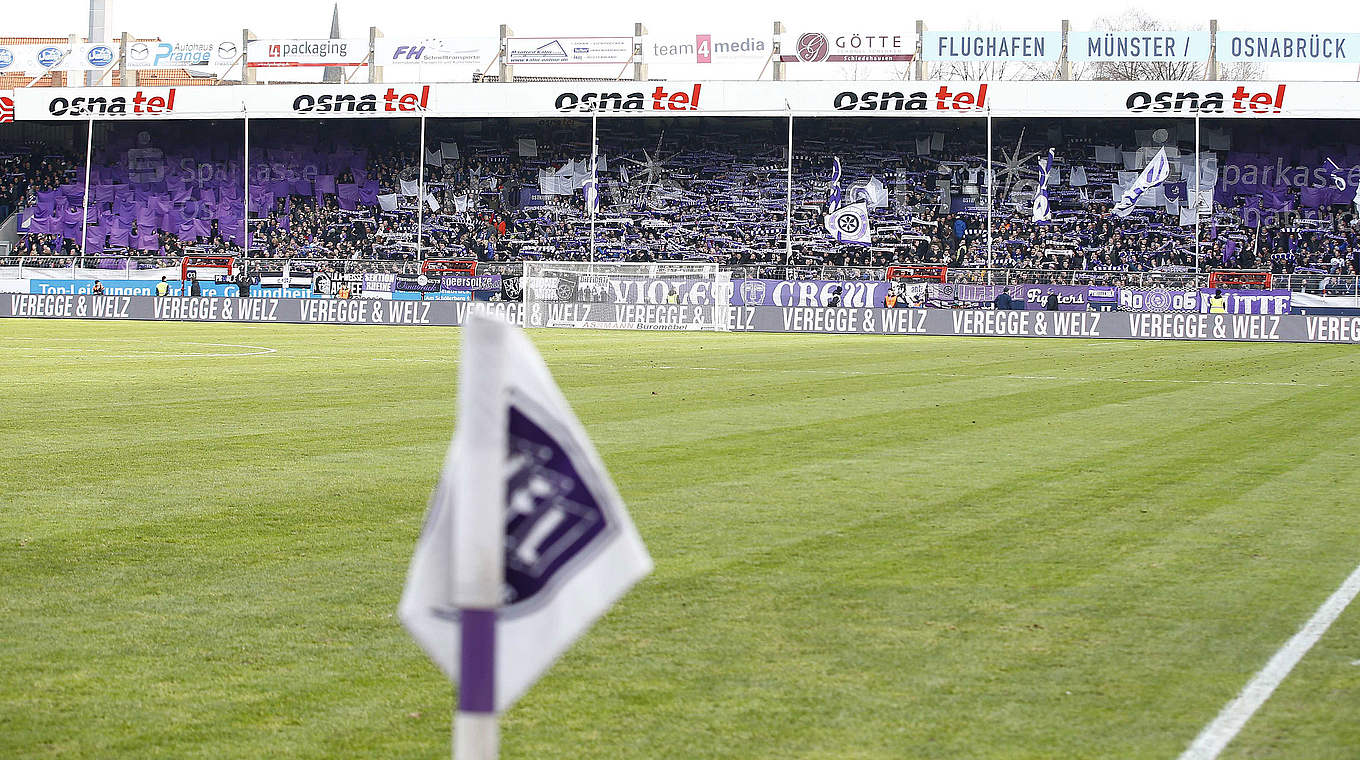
(1262,328)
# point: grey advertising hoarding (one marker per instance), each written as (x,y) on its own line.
(1265,328)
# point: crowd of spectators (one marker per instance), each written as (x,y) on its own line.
(714,189)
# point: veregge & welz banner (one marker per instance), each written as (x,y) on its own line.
(1262,328)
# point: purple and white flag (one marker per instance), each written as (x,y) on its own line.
(1153,174)
(850,224)
(1337,175)
(1041,212)
(526,541)
(833,200)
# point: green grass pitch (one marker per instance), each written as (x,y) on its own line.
(865,547)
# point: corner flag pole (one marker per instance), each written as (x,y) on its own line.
(479,538)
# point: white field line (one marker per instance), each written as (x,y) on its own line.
(965,375)
(1216,736)
(255,350)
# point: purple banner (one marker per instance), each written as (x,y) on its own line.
(1250,301)
(857,293)
(470,282)
(1070,297)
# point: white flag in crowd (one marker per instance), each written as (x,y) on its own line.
(543,545)
(1153,175)
(850,223)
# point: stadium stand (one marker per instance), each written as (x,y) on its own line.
(703,189)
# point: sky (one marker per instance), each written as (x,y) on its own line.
(427,18)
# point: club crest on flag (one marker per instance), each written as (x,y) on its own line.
(850,224)
(551,515)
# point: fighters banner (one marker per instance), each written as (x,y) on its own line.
(1262,328)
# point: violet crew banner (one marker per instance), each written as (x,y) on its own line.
(1256,328)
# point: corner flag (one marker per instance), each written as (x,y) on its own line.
(526,541)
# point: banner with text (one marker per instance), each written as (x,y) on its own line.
(297,52)
(859,46)
(991,46)
(215,55)
(458,51)
(1138,46)
(699,98)
(706,47)
(1265,328)
(532,50)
